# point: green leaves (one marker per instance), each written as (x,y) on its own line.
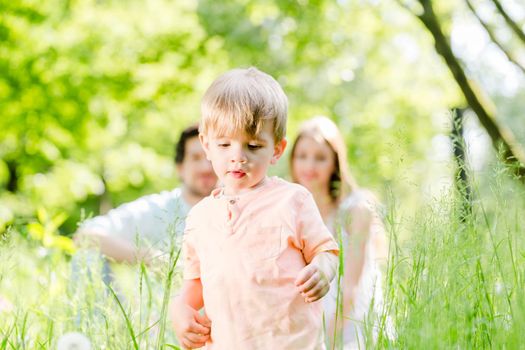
(45,230)
(94,93)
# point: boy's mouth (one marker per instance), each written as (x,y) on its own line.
(237,174)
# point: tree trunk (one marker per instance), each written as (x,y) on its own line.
(513,155)
(494,38)
(105,203)
(461,179)
(510,22)
(12,183)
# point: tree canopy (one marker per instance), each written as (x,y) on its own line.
(94,93)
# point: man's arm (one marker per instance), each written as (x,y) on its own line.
(115,233)
(114,247)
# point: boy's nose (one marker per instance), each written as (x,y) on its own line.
(240,159)
(238,156)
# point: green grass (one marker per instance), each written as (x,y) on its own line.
(449,284)
(50,299)
(458,284)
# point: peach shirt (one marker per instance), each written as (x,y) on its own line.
(248,250)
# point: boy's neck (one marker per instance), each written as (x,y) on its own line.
(230,192)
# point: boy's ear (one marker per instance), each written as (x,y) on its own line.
(205,142)
(278,150)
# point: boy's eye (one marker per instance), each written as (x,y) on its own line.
(254,147)
(223,144)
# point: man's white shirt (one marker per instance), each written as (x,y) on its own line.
(148,221)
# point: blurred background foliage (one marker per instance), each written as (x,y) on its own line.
(93,93)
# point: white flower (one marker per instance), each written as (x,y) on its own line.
(5,305)
(498,287)
(73,341)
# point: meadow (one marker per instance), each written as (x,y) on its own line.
(452,280)
(93,94)
(457,281)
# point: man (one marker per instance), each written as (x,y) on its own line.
(141,230)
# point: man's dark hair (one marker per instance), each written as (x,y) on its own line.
(180,147)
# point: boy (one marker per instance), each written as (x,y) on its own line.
(257,254)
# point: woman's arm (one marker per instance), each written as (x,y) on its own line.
(358,222)
(358,227)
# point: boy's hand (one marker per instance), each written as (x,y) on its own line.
(192,328)
(314,279)
(312,283)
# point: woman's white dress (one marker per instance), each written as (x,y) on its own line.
(369,297)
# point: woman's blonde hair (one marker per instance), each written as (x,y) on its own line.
(243,100)
(322,129)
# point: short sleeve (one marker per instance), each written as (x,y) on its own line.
(189,253)
(313,234)
(363,200)
(362,209)
(150,219)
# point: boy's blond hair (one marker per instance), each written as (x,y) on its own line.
(243,100)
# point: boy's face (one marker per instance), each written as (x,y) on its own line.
(241,161)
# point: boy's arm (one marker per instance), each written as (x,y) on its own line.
(192,328)
(320,250)
(191,293)
(314,279)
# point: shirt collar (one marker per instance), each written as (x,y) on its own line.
(218,193)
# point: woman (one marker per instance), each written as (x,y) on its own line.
(318,162)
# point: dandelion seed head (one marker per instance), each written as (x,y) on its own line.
(498,287)
(5,305)
(73,341)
